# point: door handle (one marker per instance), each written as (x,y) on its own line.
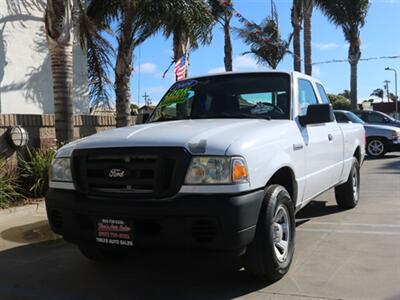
(330,137)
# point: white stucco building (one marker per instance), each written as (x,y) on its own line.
(25,70)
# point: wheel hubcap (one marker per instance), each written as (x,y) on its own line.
(375,147)
(281,233)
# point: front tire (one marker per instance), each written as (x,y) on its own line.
(348,194)
(271,252)
(376,147)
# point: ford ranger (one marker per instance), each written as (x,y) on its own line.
(223,164)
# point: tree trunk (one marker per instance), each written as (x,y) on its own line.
(296,17)
(353,84)
(296,49)
(354,57)
(228,44)
(180,45)
(308,9)
(59,30)
(123,71)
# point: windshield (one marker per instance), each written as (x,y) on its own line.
(263,96)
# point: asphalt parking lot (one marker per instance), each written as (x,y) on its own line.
(351,254)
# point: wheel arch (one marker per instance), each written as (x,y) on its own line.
(357,154)
(379,137)
(285,177)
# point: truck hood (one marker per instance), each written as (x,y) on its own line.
(207,136)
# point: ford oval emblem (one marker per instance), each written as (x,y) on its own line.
(117,173)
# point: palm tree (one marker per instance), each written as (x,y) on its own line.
(270,53)
(190,24)
(297,20)
(378,93)
(308,6)
(59,29)
(350,15)
(223,17)
(59,24)
(346,94)
(136,20)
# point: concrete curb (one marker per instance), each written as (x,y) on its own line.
(30,209)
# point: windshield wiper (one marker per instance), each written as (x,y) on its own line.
(164,119)
(238,115)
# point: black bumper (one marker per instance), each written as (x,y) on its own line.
(392,147)
(217,222)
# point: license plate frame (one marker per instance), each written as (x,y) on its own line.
(114,232)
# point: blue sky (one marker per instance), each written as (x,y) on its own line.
(380,37)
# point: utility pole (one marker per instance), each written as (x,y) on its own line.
(386,86)
(147,100)
(395,92)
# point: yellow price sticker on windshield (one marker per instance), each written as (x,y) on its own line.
(175,97)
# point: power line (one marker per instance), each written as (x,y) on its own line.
(361,59)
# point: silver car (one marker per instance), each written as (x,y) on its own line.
(380,138)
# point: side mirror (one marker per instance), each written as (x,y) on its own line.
(317,114)
(386,120)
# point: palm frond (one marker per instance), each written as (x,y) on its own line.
(99,55)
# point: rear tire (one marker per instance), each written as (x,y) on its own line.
(100,255)
(376,147)
(271,252)
(348,194)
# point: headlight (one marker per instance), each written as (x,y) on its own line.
(216,170)
(395,135)
(61,170)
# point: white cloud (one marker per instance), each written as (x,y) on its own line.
(326,46)
(240,63)
(148,68)
(244,63)
(316,72)
(156,90)
(216,70)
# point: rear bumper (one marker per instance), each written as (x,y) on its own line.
(214,222)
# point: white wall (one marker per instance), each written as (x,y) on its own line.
(25,71)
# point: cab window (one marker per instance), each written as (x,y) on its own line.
(306,96)
(322,93)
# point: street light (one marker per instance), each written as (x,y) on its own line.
(395,90)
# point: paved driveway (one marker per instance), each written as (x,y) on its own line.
(339,255)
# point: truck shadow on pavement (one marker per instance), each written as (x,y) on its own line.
(317,209)
(57,270)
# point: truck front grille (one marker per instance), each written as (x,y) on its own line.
(141,172)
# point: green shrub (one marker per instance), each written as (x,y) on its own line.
(34,170)
(339,102)
(8,186)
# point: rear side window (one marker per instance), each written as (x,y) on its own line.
(376,118)
(322,93)
(306,95)
(362,116)
(341,118)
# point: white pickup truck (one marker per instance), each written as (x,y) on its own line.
(223,164)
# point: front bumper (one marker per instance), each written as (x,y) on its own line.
(213,221)
(394,146)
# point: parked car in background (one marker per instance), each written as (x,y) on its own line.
(380,139)
(377,118)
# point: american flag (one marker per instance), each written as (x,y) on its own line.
(180,68)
